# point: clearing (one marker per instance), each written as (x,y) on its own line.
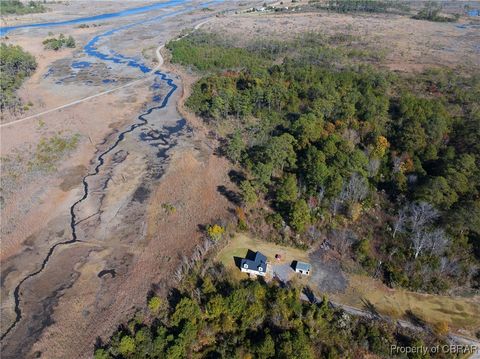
(461,314)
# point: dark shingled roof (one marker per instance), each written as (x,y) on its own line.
(258,261)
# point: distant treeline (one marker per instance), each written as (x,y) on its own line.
(431,12)
(372,6)
(15,66)
(16,7)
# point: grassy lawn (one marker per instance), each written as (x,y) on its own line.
(240,244)
(459,313)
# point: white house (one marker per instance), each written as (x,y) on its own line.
(257,265)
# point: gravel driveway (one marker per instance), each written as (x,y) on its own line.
(327,276)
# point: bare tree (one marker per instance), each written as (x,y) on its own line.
(355,190)
(373,166)
(438,241)
(401,221)
(313,234)
(433,241)
(444,262)
(397,163)
(420,240)
(187,263)
(320,194)
(336,204)
(448,267)
(351,136)
(178,274)
(421,215)
(342,240)
(197,293)
(417,218)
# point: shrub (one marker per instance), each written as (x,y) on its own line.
(56,44)
(441,328)
(215,232)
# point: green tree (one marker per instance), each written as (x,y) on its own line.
(186,310)
(19,8)
(301,346)
(215,308)
(143,342)
(314,168)
(308,129)
(287,190)
(263,175)
(160,342)
(300,215)
(157,305)
(126,346)
(102,354)
(248,192)
(281,153)
(421,125)
(208,286)
(235,147)
(266,349)
(437,191)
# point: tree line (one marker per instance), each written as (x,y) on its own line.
(17,7)
(15,66)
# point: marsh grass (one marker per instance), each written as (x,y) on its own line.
(50,151)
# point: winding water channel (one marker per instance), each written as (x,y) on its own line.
(92,49)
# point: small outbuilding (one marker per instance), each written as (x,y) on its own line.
(302,267)
(256,265)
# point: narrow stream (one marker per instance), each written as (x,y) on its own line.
(91,48)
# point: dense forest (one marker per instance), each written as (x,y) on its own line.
(15,66)
(16,7)
(383,167)
(214,317)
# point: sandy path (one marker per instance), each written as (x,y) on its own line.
(88,98)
